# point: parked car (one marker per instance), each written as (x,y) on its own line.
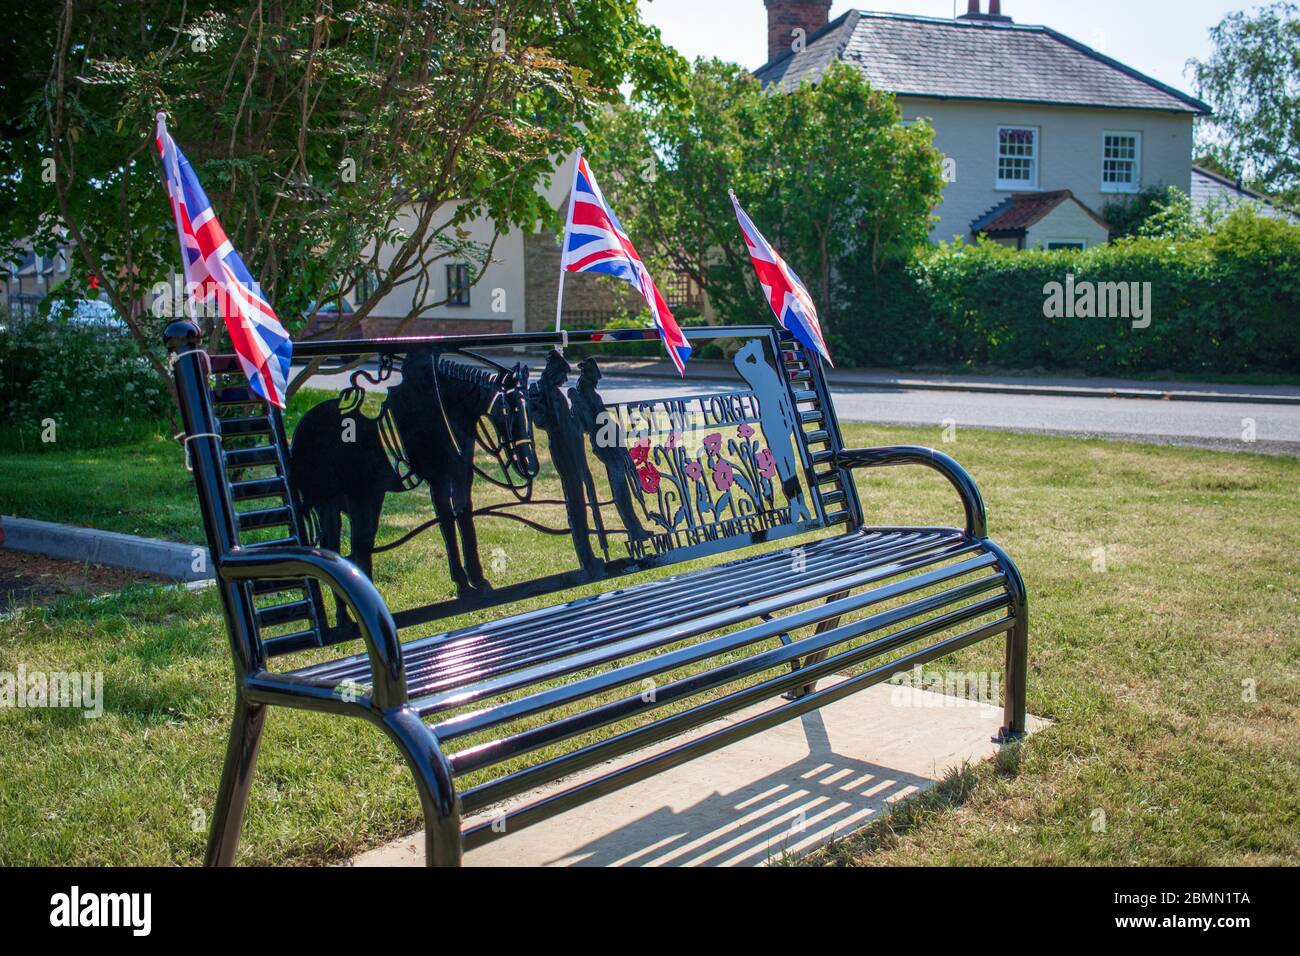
(88,313)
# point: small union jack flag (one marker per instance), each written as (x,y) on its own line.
(594,241)
(214,271)
(789,299)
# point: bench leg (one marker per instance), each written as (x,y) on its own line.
(1014,724)
(442,846)
(236,777)
(818,656)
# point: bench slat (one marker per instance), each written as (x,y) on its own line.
(640,610)
(734,584)
(297,641)
(252,457)
(519,663)
(284,613)
(224,364)
(457,683)
(264,518)
(239,427)
(234,395)
(278,587)
(476,798)
(469,724)
(258,488)
(639,605)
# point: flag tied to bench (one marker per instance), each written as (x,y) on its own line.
(594,241)
(214,271)
(786,294)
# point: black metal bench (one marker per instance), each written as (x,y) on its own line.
(525,696)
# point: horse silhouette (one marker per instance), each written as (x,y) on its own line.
(435,413)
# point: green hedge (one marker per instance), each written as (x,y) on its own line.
(1225,302)
(91,381)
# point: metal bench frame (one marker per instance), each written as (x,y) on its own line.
(385,696)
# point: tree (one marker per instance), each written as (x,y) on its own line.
(326,132)
(1252,81)
(826,171)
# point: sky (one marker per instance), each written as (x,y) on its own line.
(1156,37)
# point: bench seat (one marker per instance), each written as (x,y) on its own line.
(770,624)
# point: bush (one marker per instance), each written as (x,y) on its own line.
(1127,214)
(1223,302)
(90,379)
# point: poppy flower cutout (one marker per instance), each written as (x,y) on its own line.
(640,451)
(724,476)
(649,475)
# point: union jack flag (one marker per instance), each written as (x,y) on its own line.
(214,271)
(789,299)
(594,241)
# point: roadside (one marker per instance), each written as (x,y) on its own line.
(1220,417)
(877,379)
(1069,387)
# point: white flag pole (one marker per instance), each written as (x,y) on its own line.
(564,241)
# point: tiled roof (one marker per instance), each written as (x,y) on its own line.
(975,60)
(1020,211)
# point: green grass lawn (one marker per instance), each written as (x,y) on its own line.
(1145,669)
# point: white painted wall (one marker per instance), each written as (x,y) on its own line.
(502,283)
(1066,223)
(504,272)
(1070,151)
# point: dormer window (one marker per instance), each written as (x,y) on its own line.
(1017,157)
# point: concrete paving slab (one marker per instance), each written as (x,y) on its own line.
(788,790)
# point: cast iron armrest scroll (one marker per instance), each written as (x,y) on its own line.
(374,621)
(958,477)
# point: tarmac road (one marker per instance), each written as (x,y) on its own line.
(1220,425)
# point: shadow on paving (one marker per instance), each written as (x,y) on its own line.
(795,808)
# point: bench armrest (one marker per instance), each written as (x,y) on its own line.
(958,477)
(345,579)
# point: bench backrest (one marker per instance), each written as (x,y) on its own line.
(635,472)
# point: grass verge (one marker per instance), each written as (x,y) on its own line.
(1165,644)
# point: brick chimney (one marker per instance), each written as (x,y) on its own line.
(995,12)
(786,16)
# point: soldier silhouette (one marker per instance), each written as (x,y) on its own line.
(609,445)
(776,412)
(550,410)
